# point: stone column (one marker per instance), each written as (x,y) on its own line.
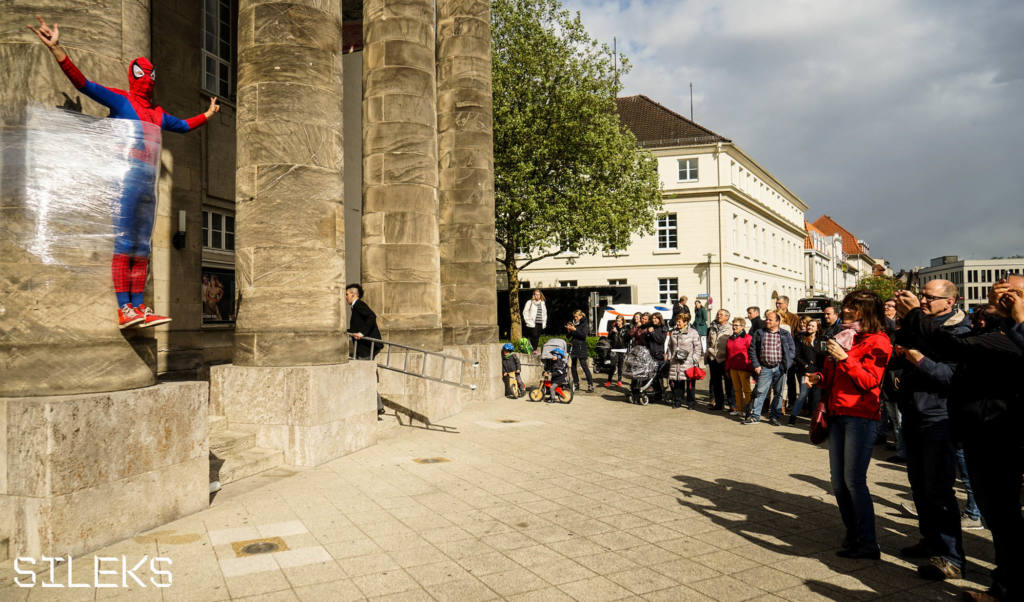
(469,291)
(89,454)
(58,329)
(289,217)
(291,382)
(401,266)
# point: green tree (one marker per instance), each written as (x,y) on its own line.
(885,286)
(567,176)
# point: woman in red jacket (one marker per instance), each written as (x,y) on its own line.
(853,377)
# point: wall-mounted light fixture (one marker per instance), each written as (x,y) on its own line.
(178,240)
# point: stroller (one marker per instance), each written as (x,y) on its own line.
(643,369)
(605,362)
(553,384)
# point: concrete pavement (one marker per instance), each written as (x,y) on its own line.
(596,500)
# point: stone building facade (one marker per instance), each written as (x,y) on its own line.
(353,144)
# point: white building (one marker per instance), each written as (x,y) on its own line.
(729,228)
(974,277)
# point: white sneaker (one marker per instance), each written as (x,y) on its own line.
(734,413)
(970,524)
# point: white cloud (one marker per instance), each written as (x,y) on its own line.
(898,118)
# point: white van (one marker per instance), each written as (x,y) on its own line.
(623,309)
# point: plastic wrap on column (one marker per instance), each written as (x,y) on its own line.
(64,179)
(73,172)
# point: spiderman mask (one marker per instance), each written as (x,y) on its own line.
(142,79)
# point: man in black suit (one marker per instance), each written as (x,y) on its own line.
(754,315)
(363,323)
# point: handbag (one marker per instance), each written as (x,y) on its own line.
(819,424)
(695,373)
(681,355)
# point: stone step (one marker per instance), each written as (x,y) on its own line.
(247,462)
(216,423)
(226,441)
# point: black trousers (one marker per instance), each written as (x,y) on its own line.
(719,379)
(995,461)
(684,389)
(585,361)
(532,334)
(618,360)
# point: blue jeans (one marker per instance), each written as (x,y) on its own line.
(806,393)
(931,469)
(971,507)
(850,442)
(769,378)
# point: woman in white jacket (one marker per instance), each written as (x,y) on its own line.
(535,318)
(684,351)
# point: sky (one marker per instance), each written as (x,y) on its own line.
(901,119)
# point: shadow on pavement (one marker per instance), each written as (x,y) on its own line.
(806,526)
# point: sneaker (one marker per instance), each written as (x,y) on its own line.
(792,420)
(918,550)
(607,383)
(939,569)
(618,383)
(775,422)
(128,316)
(151,318)
(734,413)
(590,388)
(970,524)
(751,420)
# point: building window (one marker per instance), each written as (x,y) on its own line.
(616,282)
(667,231)
(688,170)
(218,47)
(668,290)
(568,283)
(218,231)
(524,284)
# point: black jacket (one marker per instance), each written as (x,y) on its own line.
(656,342)
(756,324)
(810,358)
(619,337)
(984,398)
(578,339)
(923,389)
(510,364)
(678,308)
(364,321)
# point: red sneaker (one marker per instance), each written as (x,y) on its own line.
(607,383)
(151,318)
(618,383)
(128,316)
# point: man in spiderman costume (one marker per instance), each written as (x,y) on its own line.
(133,223)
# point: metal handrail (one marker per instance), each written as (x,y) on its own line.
(386,347)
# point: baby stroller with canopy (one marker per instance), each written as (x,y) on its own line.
(556,374)
(643,369)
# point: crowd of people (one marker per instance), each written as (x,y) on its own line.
(916,362)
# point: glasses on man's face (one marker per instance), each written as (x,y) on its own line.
(930,298)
